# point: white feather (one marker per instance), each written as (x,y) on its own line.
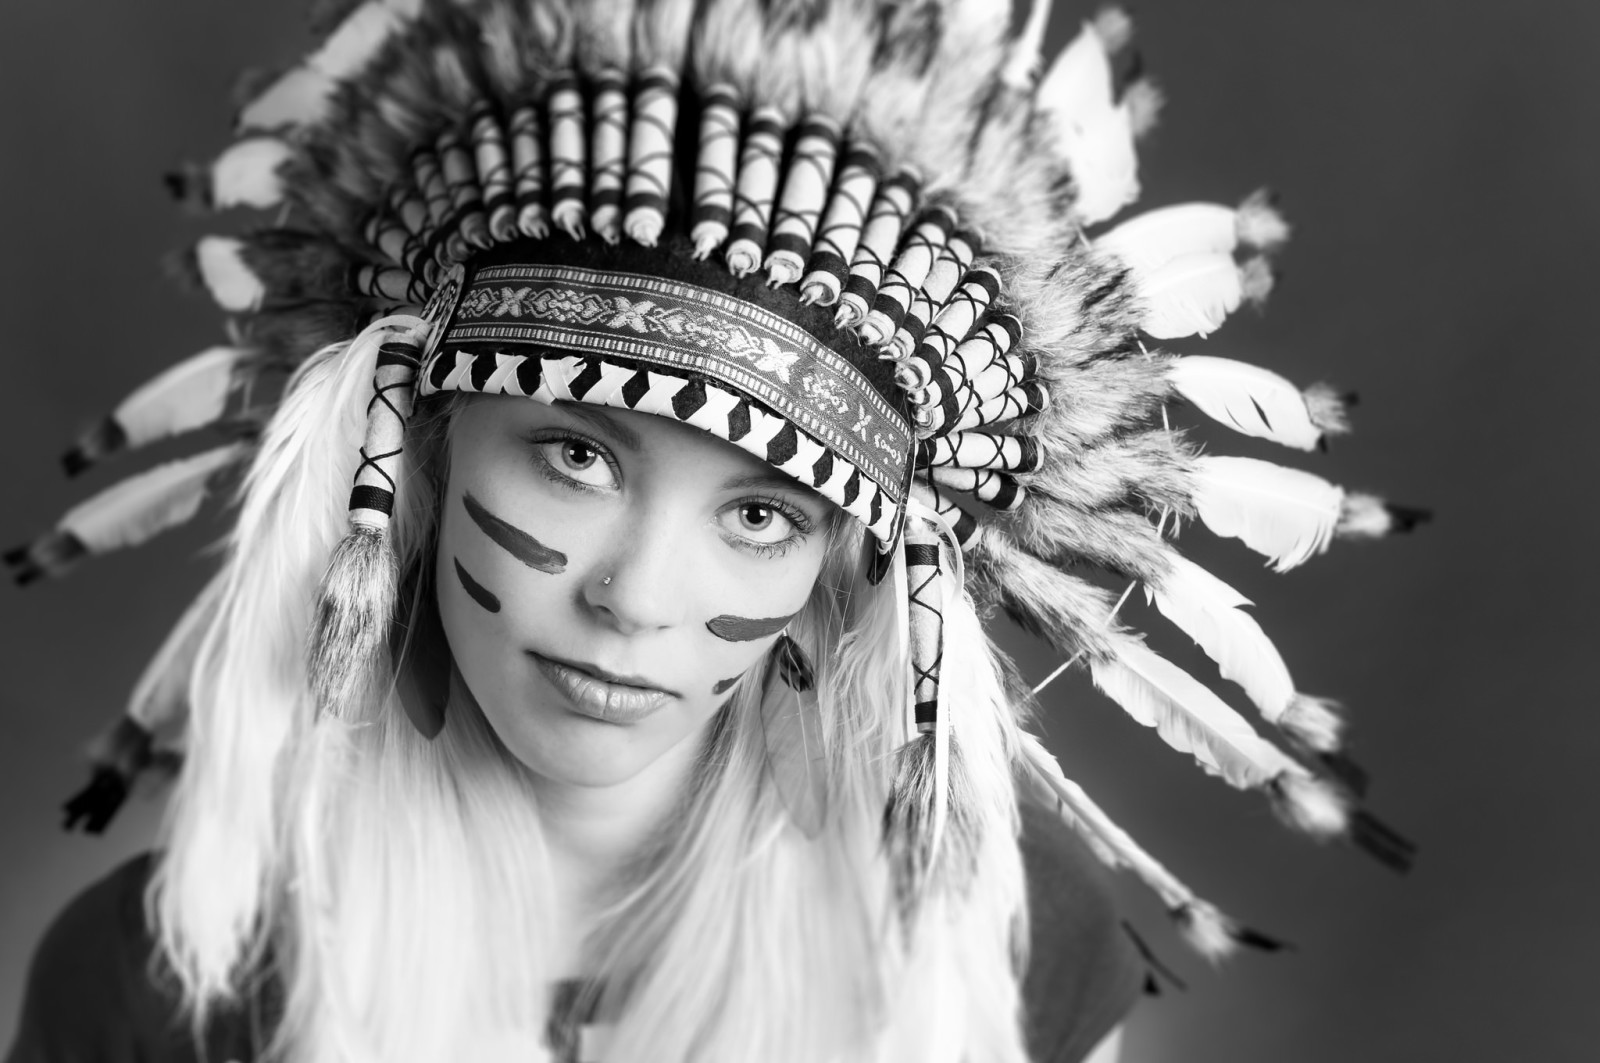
(1286,515)
(1025,59)
(1211,612)
(141,507)
(186,396)
(1105,167)
(1150,240)
(1190,296)
(1078,84)
(233,285)
(300,96)
(246,174)
(1246,398)
(160,699)
(1188,716)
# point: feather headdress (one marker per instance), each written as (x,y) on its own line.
(867,242)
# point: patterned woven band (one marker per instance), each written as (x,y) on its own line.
(659,345)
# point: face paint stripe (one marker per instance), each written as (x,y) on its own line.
(513,540)
(475,590)
(744,629)
(724,685)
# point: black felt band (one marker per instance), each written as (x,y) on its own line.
(377,499)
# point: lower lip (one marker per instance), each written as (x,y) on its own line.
(615,703)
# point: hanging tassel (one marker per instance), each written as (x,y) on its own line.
(1207,930)
(350,628)
(1193,295)
(124,515)
(792,724)
(1258,402)
(184,397)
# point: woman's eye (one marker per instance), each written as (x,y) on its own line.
(579,460)
(760,522)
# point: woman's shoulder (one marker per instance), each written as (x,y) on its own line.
(1084,973)
(93,991)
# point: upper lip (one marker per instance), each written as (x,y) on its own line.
(606,676)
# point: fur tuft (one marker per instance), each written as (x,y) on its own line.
(1311,805)
(1365,516)
(1258,222)
(348,651)
(1315,722)
(1255,280)
(1114,27)
(920,865)
(1143,100)
(1327,410)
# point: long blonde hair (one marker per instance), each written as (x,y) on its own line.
(400,887)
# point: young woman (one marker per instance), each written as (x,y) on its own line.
(700,370)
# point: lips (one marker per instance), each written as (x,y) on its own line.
(601,695)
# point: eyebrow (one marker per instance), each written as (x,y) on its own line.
(603,421)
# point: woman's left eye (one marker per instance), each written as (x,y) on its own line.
(579,460)
(765,524)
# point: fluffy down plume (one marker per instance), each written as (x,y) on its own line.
(184,397)
(1212,613)
(1148,241)
(1071,614)
(1152,468)
(925,856)
(1188,716)
(1256,401)
(1193,295)
(1367,516)
(1284,514)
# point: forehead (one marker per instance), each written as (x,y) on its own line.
(656,440)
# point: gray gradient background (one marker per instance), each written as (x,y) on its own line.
(1438,160)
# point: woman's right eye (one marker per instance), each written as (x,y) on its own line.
(578,460)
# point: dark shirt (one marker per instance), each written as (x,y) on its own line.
(93,997)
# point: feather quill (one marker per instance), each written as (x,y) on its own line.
(1284,514)
(1211,612)
(1255,401)
(1188,716)
(1193,295)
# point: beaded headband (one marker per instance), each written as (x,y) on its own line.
(862,241)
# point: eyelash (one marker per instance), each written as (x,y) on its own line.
(796,517)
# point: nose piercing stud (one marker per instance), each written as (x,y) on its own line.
(605,581)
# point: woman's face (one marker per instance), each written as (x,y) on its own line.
(604,576)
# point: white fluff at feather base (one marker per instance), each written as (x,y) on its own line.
(232,283)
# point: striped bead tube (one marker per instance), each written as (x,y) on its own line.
(964,524)
(842,223)
(608,153)
(954,259)
(907,274)
(385,233)
(527,167)
(955,320)
(389,283)
(1029,397)
(891,209)
(428,177)
(655,123)
(924,621)
(805,194)
(407,206)
(757,188)
(980,450)
(466,198)
(978,357)
(393,392)
(715,168)
(997,489)
(568,157)
(494,170)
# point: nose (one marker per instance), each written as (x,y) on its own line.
(643,579)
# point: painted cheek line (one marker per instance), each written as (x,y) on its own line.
(513,540)
(475,590)
(724,685)
(743,629)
